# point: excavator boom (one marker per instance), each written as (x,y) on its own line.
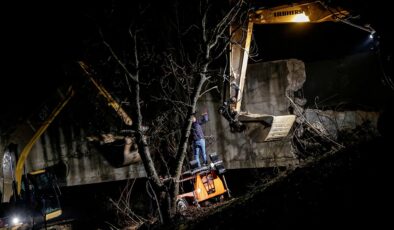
(241,36)
(111,102)
(26,150)
(43,181)
(102,91)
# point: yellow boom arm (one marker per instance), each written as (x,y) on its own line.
(266,127)
(26,150)
(313,12)
(114,104)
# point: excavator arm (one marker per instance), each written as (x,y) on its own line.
(241,36)
(26,150)
(111,101)
(42,176)
(70,93)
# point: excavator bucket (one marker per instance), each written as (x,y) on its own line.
(263,127)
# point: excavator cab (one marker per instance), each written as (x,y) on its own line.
(37,203)
(45,194)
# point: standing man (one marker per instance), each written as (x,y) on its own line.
(198,138)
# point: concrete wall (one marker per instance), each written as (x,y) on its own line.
(266,87)
(275,88)
(84,163)
(81,162)
(265,92)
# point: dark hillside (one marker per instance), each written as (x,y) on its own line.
(349,189)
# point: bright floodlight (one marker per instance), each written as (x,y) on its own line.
(15,220)
(301,18)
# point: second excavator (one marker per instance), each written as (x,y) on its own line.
(268,127)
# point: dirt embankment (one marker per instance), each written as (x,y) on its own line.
(348,189)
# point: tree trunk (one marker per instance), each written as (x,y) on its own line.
(143,149)
(181,153)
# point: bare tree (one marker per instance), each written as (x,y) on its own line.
(173,79)
(214,43)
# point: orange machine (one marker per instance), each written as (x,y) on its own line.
(202,184)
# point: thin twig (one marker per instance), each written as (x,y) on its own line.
(312,127)
(206,91)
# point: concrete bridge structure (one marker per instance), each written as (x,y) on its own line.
(267,90)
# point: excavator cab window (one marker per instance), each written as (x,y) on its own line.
(41,181)
(45,192)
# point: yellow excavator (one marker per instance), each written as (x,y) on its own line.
(267,127)
(37,192)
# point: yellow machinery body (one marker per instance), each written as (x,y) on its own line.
(206,185)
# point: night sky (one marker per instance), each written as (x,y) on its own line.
(40,39)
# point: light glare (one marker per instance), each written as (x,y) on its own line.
(301,18)
(15,220)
